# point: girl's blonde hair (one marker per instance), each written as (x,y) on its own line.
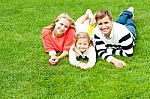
(81,35)
(62,15)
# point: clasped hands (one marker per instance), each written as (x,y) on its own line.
(83,65)
(53,60)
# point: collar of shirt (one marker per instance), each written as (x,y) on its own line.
(111,34)
(82,54)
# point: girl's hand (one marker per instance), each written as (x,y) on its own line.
(84,66)
(53,60)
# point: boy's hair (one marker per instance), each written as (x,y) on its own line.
(81,35)
(101,14)
(62,15)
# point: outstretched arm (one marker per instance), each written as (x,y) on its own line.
(126,46)
(106,54)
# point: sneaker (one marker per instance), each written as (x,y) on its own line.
(91,16)
(131,9)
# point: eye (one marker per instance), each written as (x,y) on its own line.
(66,26)
(105,22)
(85,43)
(61,24)
(100,24)
(79,43)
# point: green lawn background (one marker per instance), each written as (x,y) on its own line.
(24,69)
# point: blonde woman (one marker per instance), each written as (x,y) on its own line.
(58,37)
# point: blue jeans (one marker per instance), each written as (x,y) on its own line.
(125,18)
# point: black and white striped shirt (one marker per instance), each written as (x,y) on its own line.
(120,42)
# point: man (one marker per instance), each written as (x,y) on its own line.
(114,37)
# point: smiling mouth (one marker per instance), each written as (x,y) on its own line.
(104,30)
(59,32)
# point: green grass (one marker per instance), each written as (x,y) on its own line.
(25,72)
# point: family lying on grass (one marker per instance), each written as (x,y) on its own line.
(89,37)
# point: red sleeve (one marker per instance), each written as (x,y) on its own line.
(69,39)
(46,40)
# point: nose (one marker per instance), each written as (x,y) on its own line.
(82,46)
(103,25)
(62,27)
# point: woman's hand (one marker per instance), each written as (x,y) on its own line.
(53,60)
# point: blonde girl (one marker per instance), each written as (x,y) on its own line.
(83,48)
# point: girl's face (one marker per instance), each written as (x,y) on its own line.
(61,26)
(82,44)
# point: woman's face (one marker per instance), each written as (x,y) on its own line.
(61,26)
(82,44)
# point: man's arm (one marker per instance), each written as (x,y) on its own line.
(102,51)
(127,44)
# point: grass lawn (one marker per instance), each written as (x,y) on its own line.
(24,69)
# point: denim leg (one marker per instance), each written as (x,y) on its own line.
(131,26)
(122,19)
(124,16)
(132,30)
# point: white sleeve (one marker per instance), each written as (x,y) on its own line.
(92,57)
(72,58)
(52,52)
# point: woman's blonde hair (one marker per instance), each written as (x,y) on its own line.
(62,15)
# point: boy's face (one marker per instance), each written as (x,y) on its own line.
(105,25)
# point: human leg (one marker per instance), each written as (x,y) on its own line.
(82,19)
(91,17)
(131,26)
(126,18)
(125,15)
(86,22)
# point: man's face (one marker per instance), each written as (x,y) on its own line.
(105,25)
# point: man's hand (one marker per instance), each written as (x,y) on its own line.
(118,63)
